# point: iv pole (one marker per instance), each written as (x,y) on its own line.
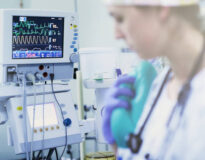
(80,95)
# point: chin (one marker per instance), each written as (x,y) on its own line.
(145,56)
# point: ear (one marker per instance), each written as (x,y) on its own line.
(164,14)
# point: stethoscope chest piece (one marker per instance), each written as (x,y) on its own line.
(134,142)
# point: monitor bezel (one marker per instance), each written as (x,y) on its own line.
(6,18)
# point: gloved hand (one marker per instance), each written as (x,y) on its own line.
(124,121)
(114,100)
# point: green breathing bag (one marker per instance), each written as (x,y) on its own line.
(124,121)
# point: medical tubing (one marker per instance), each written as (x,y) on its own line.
(50,153)
(34,157)
(25,117)
(80,108)
(34,113)
(39,153)
(181,103)
(184,93)
(56,151)
(137,136)
(154,103)
(43,119)
(52,78)
(31,77)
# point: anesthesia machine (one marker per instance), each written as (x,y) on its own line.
(38,50)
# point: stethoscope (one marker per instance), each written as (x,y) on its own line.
(135,141)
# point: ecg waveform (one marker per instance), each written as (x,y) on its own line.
(30,40)
(29,24)
(30,28)
(37,37)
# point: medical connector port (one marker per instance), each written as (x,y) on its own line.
(11,74)
(45,74)
(74,73)
(38,76)
(41,67)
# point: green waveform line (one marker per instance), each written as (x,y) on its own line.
(29,24)
(31,28)
(44,32)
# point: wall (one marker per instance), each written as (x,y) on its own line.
(9,3)
(95,24)
(96,27)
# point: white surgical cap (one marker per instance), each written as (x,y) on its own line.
(152,2)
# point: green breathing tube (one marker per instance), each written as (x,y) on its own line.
(124,121)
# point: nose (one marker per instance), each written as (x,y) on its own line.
(118,33)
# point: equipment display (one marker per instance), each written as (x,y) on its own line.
(37,37)
(46,111)
(53,128)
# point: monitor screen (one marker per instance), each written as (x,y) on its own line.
(50,115)
(37,37)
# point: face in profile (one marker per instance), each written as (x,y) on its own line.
(139,27)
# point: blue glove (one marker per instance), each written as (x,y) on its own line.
(124,121)
(113,101)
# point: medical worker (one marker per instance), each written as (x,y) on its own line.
(172,125)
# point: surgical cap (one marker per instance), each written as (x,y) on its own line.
(153,2)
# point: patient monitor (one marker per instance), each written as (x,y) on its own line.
(38,47)
(34,38)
